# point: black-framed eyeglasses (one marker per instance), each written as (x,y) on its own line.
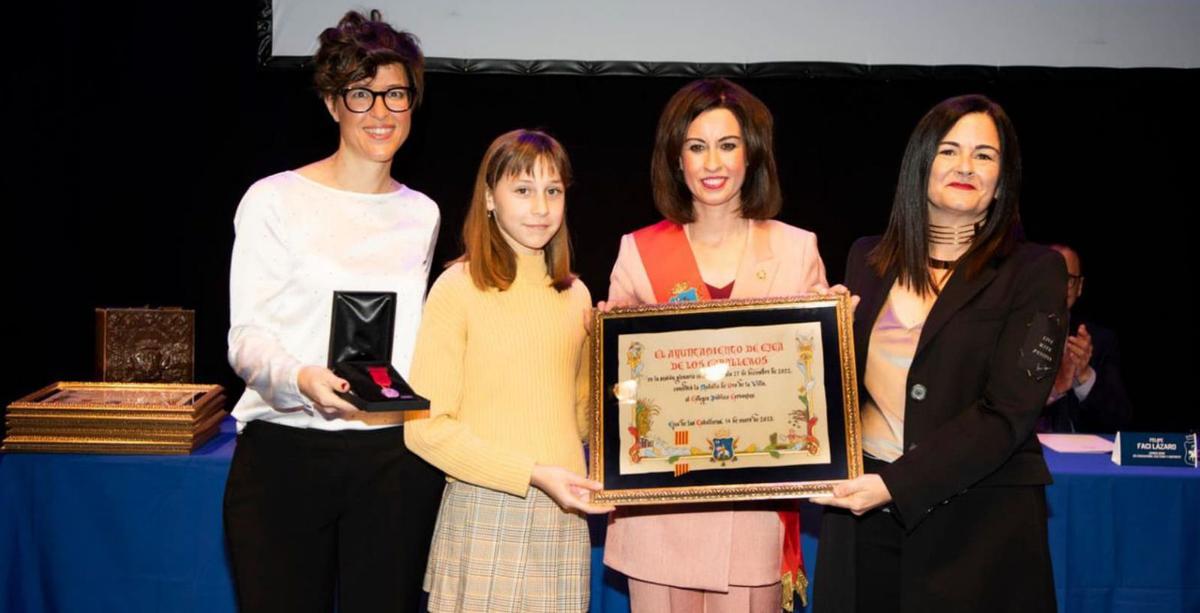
(360,99)
(1074,280)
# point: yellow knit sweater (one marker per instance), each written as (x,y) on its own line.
(506,373)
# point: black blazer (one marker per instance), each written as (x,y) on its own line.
(980,376)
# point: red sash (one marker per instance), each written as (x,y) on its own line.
(667,257)
(675,277)
(795,582)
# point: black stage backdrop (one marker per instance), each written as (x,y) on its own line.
(135,128)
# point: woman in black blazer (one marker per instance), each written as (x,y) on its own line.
(958,336)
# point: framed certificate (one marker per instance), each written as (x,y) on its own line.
(724,400)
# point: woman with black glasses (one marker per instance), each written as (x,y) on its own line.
(324,503)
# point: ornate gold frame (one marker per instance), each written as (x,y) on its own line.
(733,491)
(34,424)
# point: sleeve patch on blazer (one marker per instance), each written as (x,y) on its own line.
(1040,352)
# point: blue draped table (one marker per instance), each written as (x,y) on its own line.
(128,533)
(143,533)
(1123,538)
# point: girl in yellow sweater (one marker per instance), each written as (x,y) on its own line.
(502,356)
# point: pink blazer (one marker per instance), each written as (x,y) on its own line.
(713,547)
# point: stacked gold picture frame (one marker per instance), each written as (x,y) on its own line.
(121,418)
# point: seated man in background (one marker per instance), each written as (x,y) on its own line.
(1088,394)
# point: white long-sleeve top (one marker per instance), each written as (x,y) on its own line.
(297,242)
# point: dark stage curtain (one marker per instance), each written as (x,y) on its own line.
(134,137)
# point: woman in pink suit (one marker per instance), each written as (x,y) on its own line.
(714,180)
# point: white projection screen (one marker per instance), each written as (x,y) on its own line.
(1055,33)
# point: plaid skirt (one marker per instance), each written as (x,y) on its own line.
(496,552)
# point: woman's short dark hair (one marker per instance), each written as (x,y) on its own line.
(358,46)
(904,248)
(761,198)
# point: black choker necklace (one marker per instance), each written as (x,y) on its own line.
(941,264)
